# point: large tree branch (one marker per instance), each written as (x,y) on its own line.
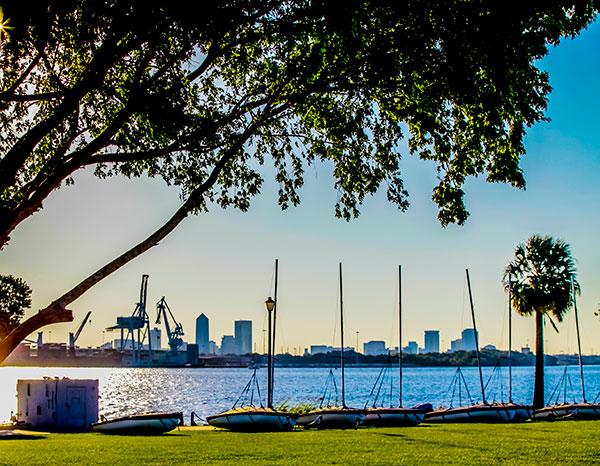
(12,89)
(14,159)
(56,312)
(53,314)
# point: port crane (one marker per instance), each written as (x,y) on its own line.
(74,336)
(137,325)
(174,333)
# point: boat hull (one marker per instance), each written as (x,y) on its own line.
(253,421)
(571,411)
(343,418)
(393,417)
(481,413)
(142,424)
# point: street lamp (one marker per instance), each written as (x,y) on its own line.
(270,305)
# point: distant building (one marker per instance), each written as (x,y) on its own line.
(526,350)
(155,334)
(202,334)
(432,341)
(411,348)
(243,336)
(375,347)
(229,345)
(212,347)
(489,347)
(192,353)
(456,345)
(468,340)
(317,349)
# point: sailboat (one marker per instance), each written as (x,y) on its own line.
(395,416)
(334,417)
(253,418)
(579,411)
(484,411)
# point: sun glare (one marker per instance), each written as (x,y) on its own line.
(4,27)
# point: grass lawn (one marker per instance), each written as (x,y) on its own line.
(530,443)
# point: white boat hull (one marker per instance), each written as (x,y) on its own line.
(393,417)
(343,418)
(143,424)
(253,421)
(575,411)
(481,413)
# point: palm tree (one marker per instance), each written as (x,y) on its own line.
(540,281)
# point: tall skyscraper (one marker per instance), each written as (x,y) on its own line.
(243,335)
(202,335)
(432,341)
(468,339)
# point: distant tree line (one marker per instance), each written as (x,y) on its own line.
(457,358)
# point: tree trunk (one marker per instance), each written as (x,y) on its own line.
(538,391)
(53,314)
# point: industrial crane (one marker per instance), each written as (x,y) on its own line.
(174,335)
(137,325)
(74,336)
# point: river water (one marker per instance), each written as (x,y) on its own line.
(208,391)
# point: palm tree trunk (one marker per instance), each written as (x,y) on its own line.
(538,391)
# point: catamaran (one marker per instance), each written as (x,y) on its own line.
(393,416)
(484,411)
(252,418)
(140,424)
(334,417)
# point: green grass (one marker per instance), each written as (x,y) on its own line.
(530,443)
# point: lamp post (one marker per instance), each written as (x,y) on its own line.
(270,305)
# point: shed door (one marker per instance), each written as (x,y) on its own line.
(76,406)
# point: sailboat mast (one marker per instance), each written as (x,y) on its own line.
(509,338)
(342,338)
(400,330)
(274,329)
(269,362)
(476,338)
(578,340)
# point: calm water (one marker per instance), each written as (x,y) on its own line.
(208,391)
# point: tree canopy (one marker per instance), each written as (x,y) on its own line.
(543,277)
(204,100)
(15,298)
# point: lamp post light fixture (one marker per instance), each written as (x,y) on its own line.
(270,305)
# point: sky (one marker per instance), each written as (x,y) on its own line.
(221,263)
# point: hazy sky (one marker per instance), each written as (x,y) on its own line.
(222,263)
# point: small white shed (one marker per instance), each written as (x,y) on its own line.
(61,403)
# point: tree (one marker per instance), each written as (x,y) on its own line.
(15,298)
(203,101)
(541,279)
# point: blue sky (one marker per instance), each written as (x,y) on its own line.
(221,263)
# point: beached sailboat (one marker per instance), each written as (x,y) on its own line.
(484,411)
(140,424)
(379,416)
(574,411)
(334,417)
(253,418)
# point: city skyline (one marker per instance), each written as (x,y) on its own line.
(221,262)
